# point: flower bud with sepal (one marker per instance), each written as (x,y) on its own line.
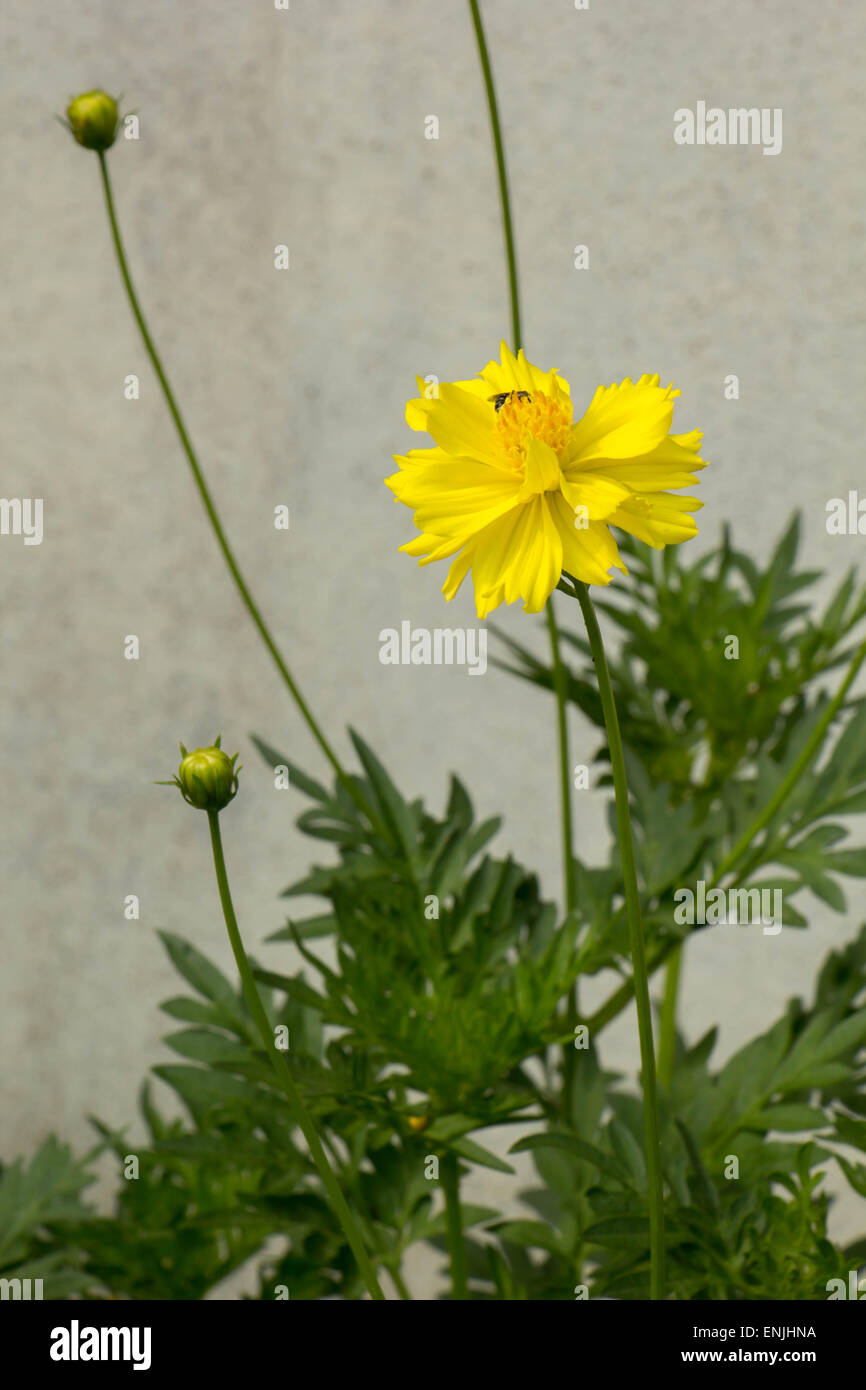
(207,778)
(93,119)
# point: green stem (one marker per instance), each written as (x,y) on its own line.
(454,1225)
(560,688)
(517,336)
(204,492)
(283,1072)
(501,170)
(668,1020)
(400,1285)
(636,938)
(620,998)
(568,866)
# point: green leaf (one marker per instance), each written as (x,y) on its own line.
(789,1118)
(396,813)
(325,924)
(619,1232)
(531,1235)
(475,1153)
(204,1045)
(201,1088)
(579,1148)
(297,778)
(819,1044)
(193,1011)
(855,1173)
(198,971)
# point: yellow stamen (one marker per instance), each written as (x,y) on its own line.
(539,416)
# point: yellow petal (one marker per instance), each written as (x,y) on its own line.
(536,560)
(588,553)
(623,421)
(541,473)
(472,497)
(660,519)
(496,547)
(457,573)
(418,409)
(463,424)
(429,548)
(672,463)
(597,492)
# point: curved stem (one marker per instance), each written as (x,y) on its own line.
(501,170)
(207,501)
(636,940)
(668,1020)
(283,1072)
(454,1225)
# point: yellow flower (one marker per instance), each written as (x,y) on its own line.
(519,492)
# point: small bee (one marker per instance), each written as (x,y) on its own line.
(502,396)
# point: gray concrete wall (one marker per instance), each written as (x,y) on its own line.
(306,127)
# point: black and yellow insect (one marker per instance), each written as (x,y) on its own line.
(502,396)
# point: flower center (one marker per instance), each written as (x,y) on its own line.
(537,415)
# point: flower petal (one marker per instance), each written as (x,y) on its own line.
(672,463)
(623,421)
(429,548)
(660,519)
(588,553)
(462,424)
(597,492)
(459,499)
(457,573)
(535,563)
(541,472)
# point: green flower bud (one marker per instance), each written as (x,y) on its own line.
(93,120)
(207,778)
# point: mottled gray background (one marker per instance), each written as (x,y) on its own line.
(306,127)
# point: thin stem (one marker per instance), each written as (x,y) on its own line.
(668,1020)
(207,501)
(636,939)
(283,1071)
(620,998)
(517,336)
(560,687)
(400,1285)
(501,170)
(568,865)
(454,1225)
